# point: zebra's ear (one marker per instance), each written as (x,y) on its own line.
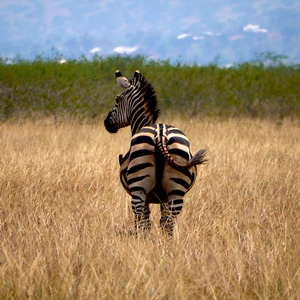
(137,74)
(122,81)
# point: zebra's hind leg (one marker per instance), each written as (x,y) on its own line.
(142,212)
(166,221)
(169,211)
(147,212)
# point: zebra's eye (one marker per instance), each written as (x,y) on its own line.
(119,98)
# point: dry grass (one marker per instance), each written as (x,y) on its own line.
(65,219)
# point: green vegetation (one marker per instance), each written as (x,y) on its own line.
(85,89)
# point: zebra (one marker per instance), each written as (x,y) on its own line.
(159,167)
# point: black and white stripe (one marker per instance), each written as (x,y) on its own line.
(159,167)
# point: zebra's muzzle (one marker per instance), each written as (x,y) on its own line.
(110,127)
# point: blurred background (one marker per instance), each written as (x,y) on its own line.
(220,32)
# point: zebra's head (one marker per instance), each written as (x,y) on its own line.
(135,106)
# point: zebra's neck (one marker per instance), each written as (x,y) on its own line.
(140,122)
(143,106)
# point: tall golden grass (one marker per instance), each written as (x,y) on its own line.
(66,221)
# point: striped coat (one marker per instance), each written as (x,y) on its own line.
(159,167)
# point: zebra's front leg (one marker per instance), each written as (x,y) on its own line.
(141,212)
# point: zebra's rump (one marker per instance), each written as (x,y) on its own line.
(157,195)
(146,160)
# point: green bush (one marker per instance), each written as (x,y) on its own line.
(85,89)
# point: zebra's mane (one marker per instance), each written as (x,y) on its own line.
(149,98)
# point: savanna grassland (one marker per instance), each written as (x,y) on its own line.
(66,222)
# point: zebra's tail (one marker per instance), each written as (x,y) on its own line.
(198,159)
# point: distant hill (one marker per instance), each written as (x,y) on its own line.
(188,31)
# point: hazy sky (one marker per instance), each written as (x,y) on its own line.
(157,28)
